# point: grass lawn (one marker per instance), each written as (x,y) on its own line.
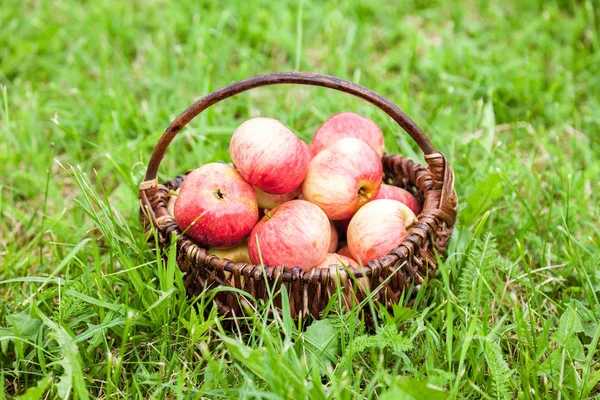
(509,91)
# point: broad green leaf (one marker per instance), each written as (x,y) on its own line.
(477,202)
(402,314)
(270,366)
(25,325)
(591,382)
(589,329)
(575,348)
(36,392)
(22,325)
(552,365)
(408,388)
(72,377)
(322,337)
(566,334)
(253,359)
(568,325)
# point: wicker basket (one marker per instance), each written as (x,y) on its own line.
(389,277)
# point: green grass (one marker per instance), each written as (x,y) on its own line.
(509,91)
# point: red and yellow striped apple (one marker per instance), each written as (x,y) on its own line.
(269,156)
(377,228)
(343,177)
(216,206)
(295,234)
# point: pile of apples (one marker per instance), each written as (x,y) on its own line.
(283,202)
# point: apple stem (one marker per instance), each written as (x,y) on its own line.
(361,192)
(268,213)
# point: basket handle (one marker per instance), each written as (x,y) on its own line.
(278,78)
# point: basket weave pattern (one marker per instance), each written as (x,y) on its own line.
(309,292)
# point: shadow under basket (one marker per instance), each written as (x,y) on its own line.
(388,278)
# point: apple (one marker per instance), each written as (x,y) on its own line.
(343,177)
(268,200)
(345,125)
(333,241)
(171,203)
(344,251)
(336,260)
(237,254)
(377,228)
(295,234)
(216,206)
(386,192)
(403,196)
(268,155)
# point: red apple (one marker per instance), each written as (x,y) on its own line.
(237,254)
(269,155)
(377,228)
(336,260)
(344,251)
(344,125)
(268,201)
(295,234)
(216,206)
(343,177)
(334,239)
(403,196)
